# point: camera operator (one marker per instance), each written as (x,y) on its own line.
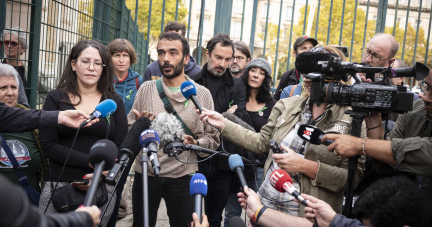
(409,143)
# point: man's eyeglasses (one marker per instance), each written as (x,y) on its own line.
(86,64)
(374,56)
(7,43)
(238,58)
(425,87)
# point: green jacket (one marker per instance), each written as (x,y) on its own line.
(332,174)
(411,142)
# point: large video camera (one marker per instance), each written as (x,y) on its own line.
(325,69)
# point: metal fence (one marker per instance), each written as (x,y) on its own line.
(269,27)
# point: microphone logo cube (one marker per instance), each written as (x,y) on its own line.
(307,133)
(97,113)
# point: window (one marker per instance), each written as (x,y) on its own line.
(289,12)
(236,30)
(238,6)
(375,17)
(264,12)
(285,33)
(400,1)
(398,20)
(263,29)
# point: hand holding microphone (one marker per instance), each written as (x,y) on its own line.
(249,201)
(103,109)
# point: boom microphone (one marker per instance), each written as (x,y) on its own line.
(168,127)
(236,164)
(189,92)
(149,139)
(102,156)
(312,134)
(129,149)
(198,189)
(282,182)
(232,117)
(103,109)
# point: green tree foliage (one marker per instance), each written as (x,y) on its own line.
(156,15)
(85,20)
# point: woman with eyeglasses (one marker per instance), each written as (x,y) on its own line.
(86,81)
(15,44)
(314,170)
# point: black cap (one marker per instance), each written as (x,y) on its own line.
(302,39)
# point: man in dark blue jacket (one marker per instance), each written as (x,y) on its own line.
(229,95)
(153,72)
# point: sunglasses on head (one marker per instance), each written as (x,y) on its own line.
(12,43)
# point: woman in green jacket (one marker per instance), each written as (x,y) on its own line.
(314,170)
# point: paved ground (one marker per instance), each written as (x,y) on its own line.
(162,220)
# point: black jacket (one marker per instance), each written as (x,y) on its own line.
(18,120)
(288,78)
(17,211)
(231,91)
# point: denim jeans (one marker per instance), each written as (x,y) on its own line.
(175,191)
(218,189)
(233,207)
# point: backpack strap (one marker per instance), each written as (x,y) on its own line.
(292,90)
(137,83)
(170,109)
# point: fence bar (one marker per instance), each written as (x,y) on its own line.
(148,36)
(317,19)
(252,35)
(427,40)
(201,32)
(266,26)
(136,24)
(342,21)
(329,23)
(366,21)
(289,47)
(395,20)
(241,32)
(163,16)
(33,65)
(189,20)
(353,31)
(416,40)
(406,25)
(304,22)
(381,16)
(176,16)
(277,44)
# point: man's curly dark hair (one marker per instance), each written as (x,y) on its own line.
(263,95)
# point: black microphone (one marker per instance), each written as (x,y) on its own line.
(236,164)
(312,134)
(102,156)
(232,117)
(130,148)
(236,222)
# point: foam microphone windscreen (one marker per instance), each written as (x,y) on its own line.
(103,150)
(235,161)
(310,133)
(198,185)
(235,119)
(148,136)
(278,178)
(168,127)
(107,107)
(307,62)
(131,141)
(187,89)
(236,222)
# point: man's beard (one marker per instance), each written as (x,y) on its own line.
(178,69)
(213,71)
(236,70)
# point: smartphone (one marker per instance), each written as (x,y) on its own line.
(82,181)
(275,147)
